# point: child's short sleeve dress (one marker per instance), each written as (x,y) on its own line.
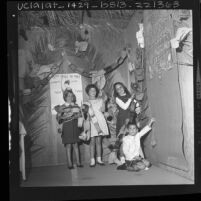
(96,106)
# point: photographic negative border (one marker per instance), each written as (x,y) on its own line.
(98,192)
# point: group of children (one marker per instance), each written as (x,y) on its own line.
(94,126)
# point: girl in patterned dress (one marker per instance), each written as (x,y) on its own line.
(67,115)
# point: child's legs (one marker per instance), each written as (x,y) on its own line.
(98,146)
(132,166)
(92,147)
(75,147)
(141,165)
(68,154)
(121,151)
(146,162)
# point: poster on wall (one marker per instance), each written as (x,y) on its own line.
(62,81)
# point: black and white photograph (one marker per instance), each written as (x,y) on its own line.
(105,96)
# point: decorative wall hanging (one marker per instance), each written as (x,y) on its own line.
(131,67)
(50,72)
(50,47)
(98,77)
(181,34)
(139,36)
(81,46)
(84,32)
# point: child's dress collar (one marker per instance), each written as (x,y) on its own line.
(68,104)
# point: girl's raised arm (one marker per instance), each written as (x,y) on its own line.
(146,128)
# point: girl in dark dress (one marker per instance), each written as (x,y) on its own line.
(124,100)
(67,115)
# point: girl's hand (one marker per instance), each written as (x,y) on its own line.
(151,121)
(75,110)
(132,96)
(127,121)
(88,136)
(138,110)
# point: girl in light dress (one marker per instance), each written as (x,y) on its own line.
(98,123)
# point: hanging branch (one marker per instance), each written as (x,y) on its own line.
(51,74)
(111,68)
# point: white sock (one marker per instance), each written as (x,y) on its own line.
(92,161)
(122,159)
(118,162)
(99,159)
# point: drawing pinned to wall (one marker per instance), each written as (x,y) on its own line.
(159,52)
(59,83)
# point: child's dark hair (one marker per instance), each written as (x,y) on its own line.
(92,86)
(125,89)
(132,123)
(65,94)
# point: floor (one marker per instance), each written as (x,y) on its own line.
(99,176)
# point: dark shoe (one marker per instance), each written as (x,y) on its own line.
(149,165)
(102,164)
(92,165)
(80,166)
(122,167)
(70,167)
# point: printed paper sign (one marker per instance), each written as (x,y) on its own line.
(62,81)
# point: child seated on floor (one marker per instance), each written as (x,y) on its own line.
(132,149)
(116,155)
(116,147)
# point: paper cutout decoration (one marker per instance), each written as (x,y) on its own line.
(139,36)
(50,47)
(180,36)
(131,66)
(81,46)
(98,78)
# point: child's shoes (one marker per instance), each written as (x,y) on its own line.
(99,161)
(122,167)
(92,164)
(70,167)
(112,157)
(80,166)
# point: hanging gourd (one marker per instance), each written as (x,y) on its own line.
(81,43)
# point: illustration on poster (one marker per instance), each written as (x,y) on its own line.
(61,82)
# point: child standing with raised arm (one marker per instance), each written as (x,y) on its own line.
(132,148)
(98,124)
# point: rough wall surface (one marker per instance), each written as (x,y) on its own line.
(170,95)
